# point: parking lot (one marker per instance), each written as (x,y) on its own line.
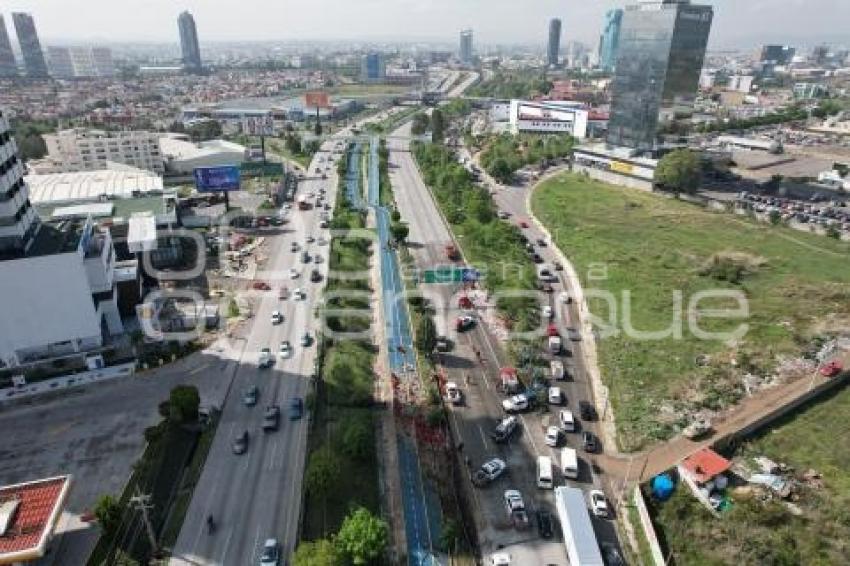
(94,433)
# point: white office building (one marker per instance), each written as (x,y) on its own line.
(551,117)
(183,156)
(79,149)
(58,293)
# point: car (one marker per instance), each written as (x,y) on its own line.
(504,430)
(548,312)
(598,503)
(315,276)
(566,420)
(310,239)
(536,258)
(515,404)
(277,317)
(573,334)
(305,257)
(523,224)
(323,224)
(296,408)
(565,298)
(541,242)
(271,553)
(249,397)
(294,247)
(306,339)
(293,273)
(499,559)
(322,242)
(318,259)
(503,215)
(443,344)
(556,396)
(544,523)
(611,554)
(589,442)
(266,360)
(464,322)
(285,349)
(832,368)
(283,293)
(587,411)
(453,393)
(299,294)
(260,286)
(271,418)
(489,472)
(552,436)
(240,443)
(558,265)
(515,507)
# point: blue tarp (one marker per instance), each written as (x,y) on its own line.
(662,487)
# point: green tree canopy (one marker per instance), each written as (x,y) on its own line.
(108,512)
(400,231)
(324,471)
(426,335)
(679,171)
(438,126)
(183,404)
(321,552)
(363,537)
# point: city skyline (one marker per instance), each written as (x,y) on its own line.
(736,25)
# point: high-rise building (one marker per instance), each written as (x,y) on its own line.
(8,67)
(58,285)
(658,66)
(777,54)
(34,62)
(189,47)
(466,46)
(373,68)
(554,42)
(609,41)
(80,62)
(59,62)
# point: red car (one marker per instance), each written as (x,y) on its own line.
(523,224)
(831,369)
(464,302)
(261,286)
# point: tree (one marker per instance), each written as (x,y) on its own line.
(318,127)
(293,143)
(324,471)
(833,232)
(400,231)
(450,536)
(357,440)
(420,124)
(426,335)
(395,215)
(438,126)
(501,170)
(183,404)
(108,512)
(679,171)
(363,536)
(317,553)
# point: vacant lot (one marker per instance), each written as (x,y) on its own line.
(756,533)
(643,249)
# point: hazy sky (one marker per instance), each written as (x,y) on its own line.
(737,22)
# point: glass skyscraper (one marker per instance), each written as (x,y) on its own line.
(659,60)
(609,41)
(34,62)
(8,68)
(554,42)
(466,46)
(189,47)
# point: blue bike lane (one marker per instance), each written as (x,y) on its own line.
(422,515)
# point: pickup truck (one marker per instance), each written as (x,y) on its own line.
(505,429)
(266,359)
(271,418)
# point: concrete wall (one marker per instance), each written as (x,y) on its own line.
(10,395)
(648,528)
(613,178)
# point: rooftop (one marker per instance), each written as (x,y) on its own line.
(29,523)
(705,464)
(92,185)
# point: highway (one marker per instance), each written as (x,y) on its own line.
(257,495)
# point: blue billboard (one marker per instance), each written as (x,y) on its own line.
(216,179)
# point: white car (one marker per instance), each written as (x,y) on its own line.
(565,297)
(285,349)
(277,317)
(556,396)
(299,294)
(322,242)
(489,472)
(515,404)
(499,559)
(293,273)
(598,503)
(567,420)
(318,259)
(548,313)
(453,393)
(271,553)
(553,436)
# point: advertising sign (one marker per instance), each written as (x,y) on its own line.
(317,99)
(621,167)
(216,179)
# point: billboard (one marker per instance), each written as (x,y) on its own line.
(216,179)
(317,99)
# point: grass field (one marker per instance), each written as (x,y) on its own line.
(797,287)
(753,533)
(368,90)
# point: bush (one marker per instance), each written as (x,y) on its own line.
(348,376)
(358,439)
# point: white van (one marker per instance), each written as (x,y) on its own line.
(569,463)
(557,367)
(544,472)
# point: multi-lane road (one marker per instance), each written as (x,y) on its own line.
(473,421)
(257,495)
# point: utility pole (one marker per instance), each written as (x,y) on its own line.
(143,504)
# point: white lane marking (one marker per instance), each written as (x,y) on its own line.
(483,437)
